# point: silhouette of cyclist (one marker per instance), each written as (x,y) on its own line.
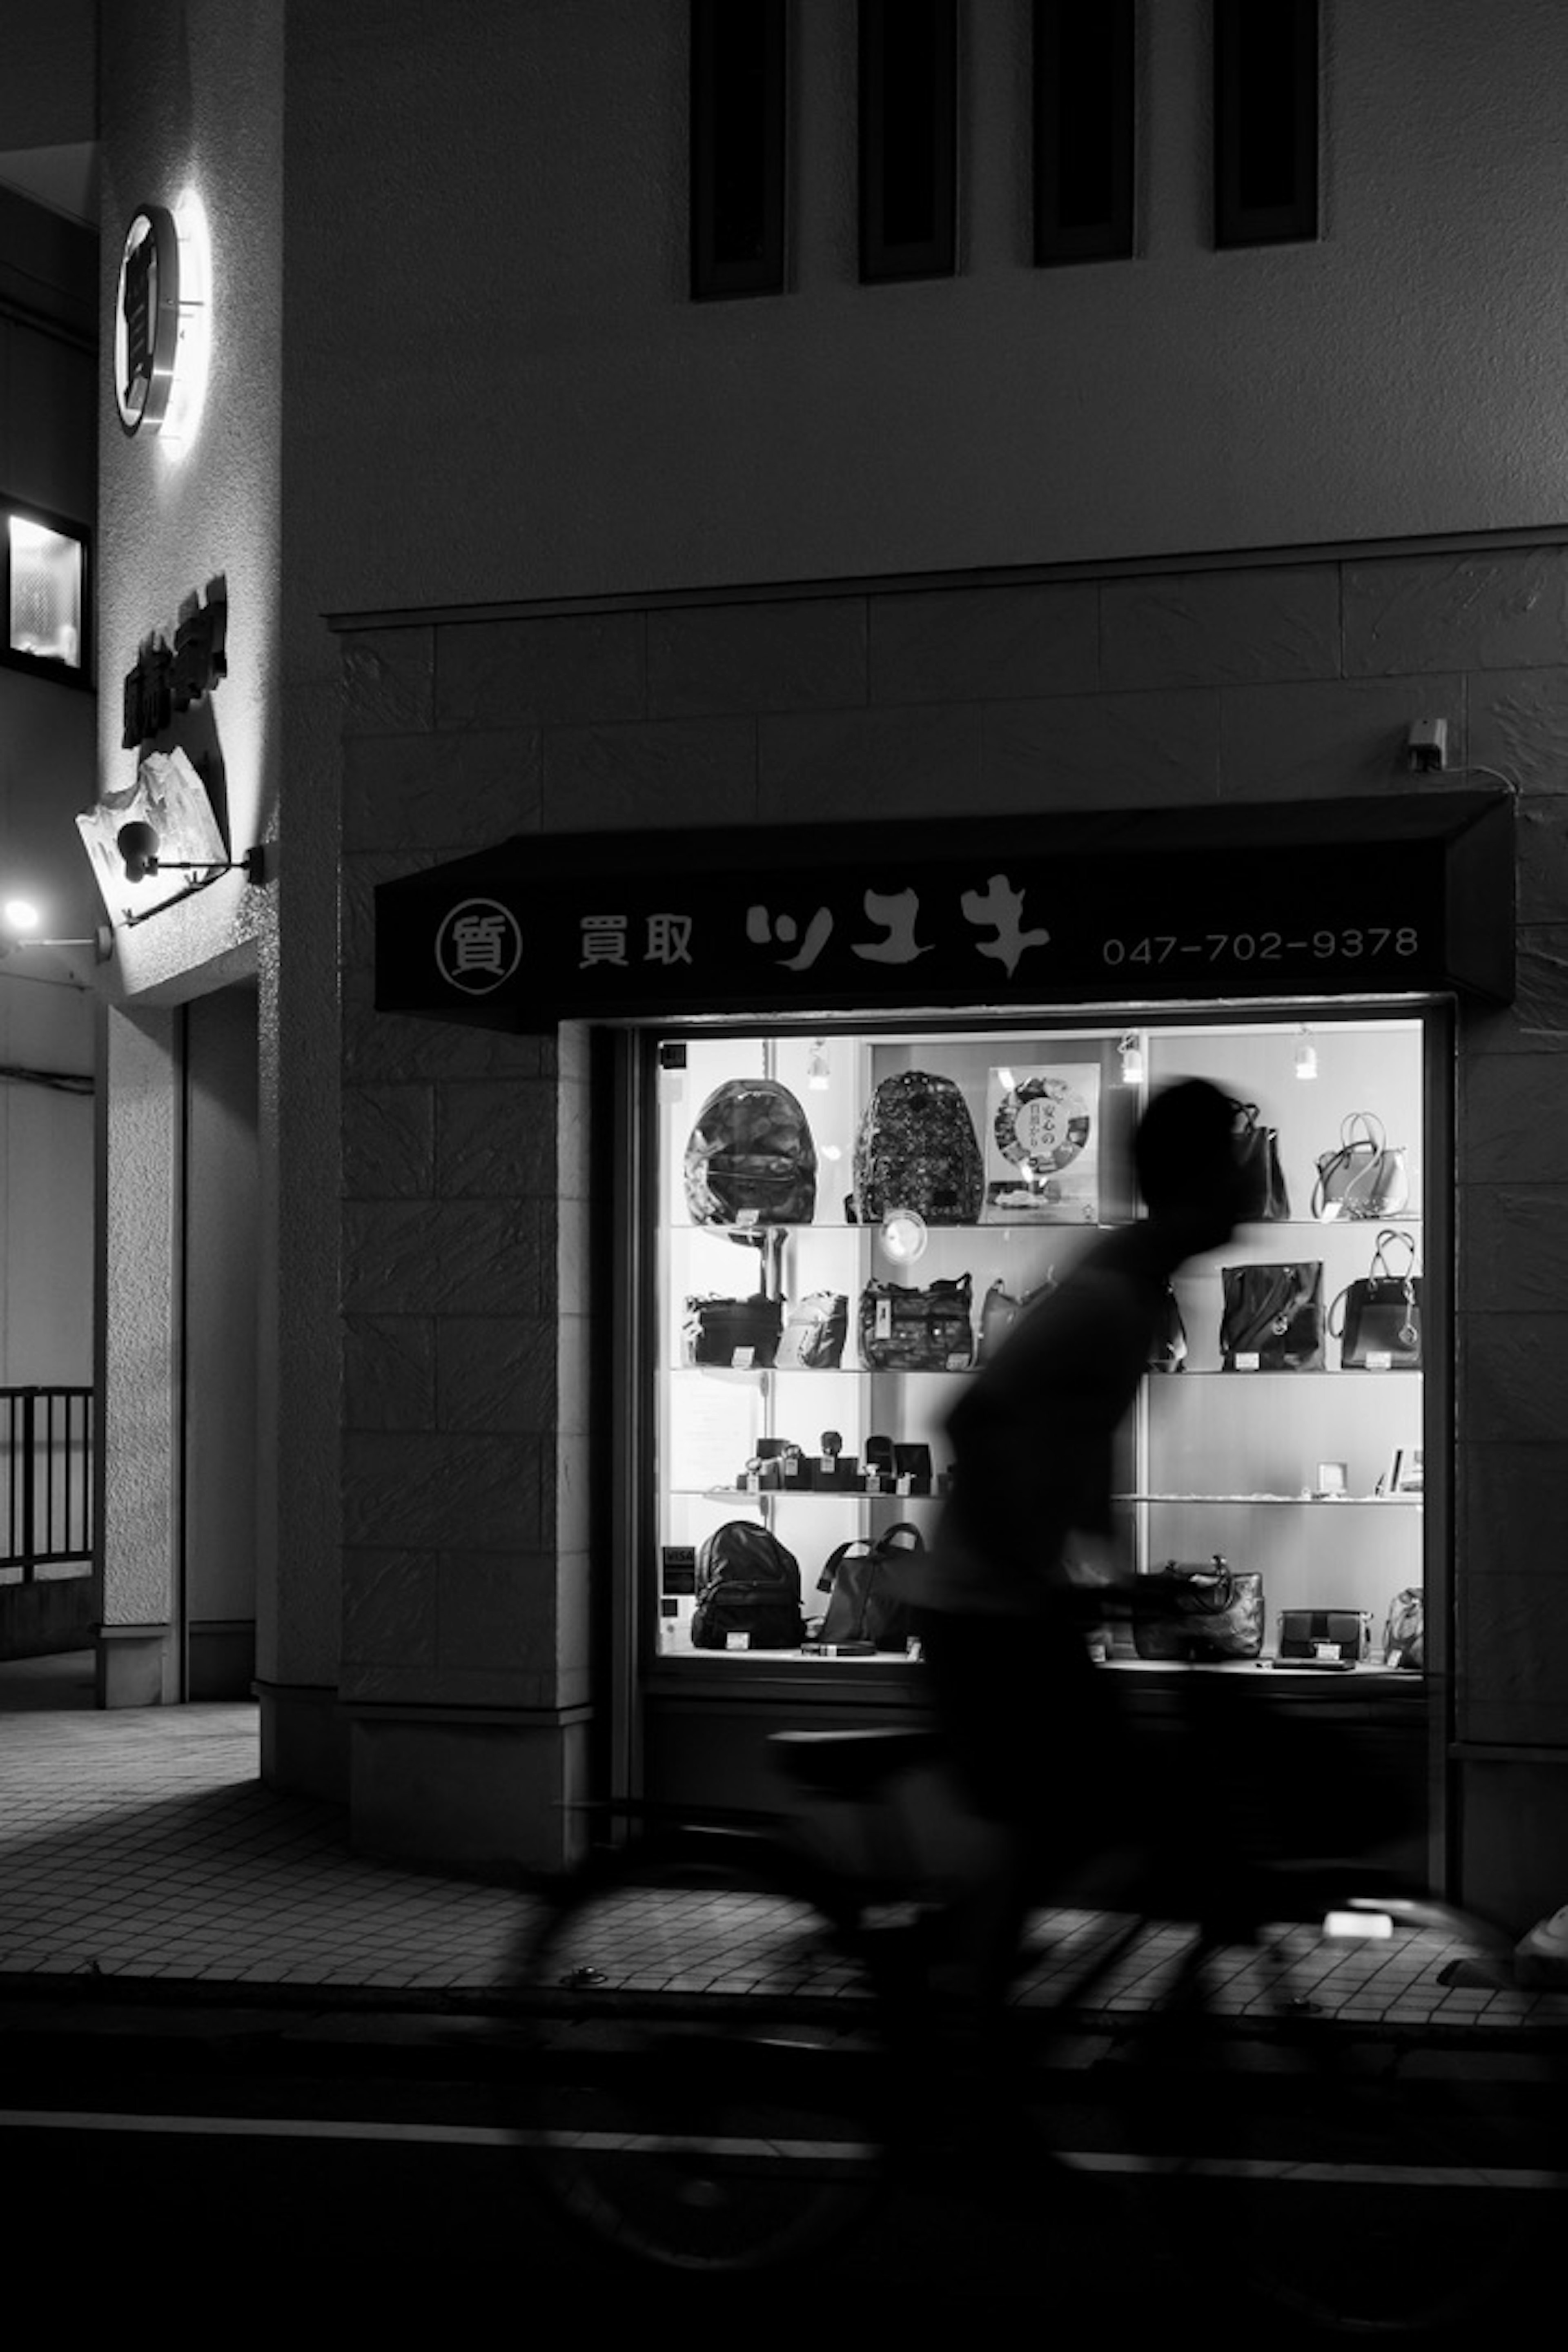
(1030,1722)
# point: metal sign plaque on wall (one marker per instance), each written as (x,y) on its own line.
(1409,893)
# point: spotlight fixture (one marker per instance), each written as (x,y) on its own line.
(137,845)
(1306,1058)
(1131,1052)
(816,1069)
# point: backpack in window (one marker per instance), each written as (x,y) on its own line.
(917,1148)
(748,1591)
(749,1159)
(868,1588)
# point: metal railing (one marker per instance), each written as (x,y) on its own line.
(46,1464)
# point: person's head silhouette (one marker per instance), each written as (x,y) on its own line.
(1188,1170)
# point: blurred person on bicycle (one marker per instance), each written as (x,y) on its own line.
(1021,1565)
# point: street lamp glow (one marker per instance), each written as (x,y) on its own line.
(21,915)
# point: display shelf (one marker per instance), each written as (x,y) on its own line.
(1402,1502)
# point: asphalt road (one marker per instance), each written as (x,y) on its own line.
(265,2172)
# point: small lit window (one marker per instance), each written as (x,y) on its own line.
(45,592)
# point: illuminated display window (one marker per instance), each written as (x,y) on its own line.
(46,594)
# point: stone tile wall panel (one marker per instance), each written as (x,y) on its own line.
(1513,1248)
(1499,611)
(389,1142)
(579,669)
(743,658)
(451,793)
(1513,1120)
(1519,725)
(1317,739)
(389,1371)
(446,1257)
(1216,628)
(1079,752)
(496,1139)
(388,681)
(496,1372)
(674,771)
(389,1608)
(833,767)
(1513,1377)
(441,1491)
(984,645)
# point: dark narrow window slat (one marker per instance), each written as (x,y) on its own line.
(737,148)
(908,139)
(1266,121)
(1084,119)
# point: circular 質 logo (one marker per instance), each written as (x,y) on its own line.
(479,946)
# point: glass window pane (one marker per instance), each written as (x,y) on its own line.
(45,592)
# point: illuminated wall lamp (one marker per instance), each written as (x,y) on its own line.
(137,845)
(18,918)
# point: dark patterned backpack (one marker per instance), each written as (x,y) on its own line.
(748,1591)
(917,1148)
(749,1159)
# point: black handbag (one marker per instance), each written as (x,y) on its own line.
(1273,1318)
(737,1333)
(1377,1319)
(1198,1612)
(906,1331)
(1264,1197)
(868,1590)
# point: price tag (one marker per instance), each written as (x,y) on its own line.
(875,1485)
(884,1321)
(827,1464)
(737,1641)
(1377,1360)
(904,1485)
(1247,1362)
(751,1483)
(741,1359)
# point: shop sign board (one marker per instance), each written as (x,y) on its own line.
(1408,894)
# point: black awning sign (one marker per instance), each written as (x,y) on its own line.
(1145,905)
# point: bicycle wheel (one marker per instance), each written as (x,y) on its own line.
(707,2079)
(1299,2132)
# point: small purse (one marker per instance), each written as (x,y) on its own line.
(906,1331)
(739,1333)
(1323,1637)
(1265,1200)
(1378,1315)
(998,1313)
(814,1335)
(1196,1613)
(1273,1318)
(1366,1177)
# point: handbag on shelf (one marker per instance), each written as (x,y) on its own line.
(1404,1632)
(1324,1637)
(1377,1318)
(814,1335)
(1264,1199)
(867,1584)
(1365,1177)
(1198,1612)
(908,1331)
(1000,1310)
(738,1334)
(1273,1318)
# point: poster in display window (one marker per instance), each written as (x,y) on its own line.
(1042,1145)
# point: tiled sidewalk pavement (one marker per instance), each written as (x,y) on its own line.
(141,1845)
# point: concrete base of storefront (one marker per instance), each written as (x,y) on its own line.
(135,1666)
(221,1659)
(304,1740)
(487,1794)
